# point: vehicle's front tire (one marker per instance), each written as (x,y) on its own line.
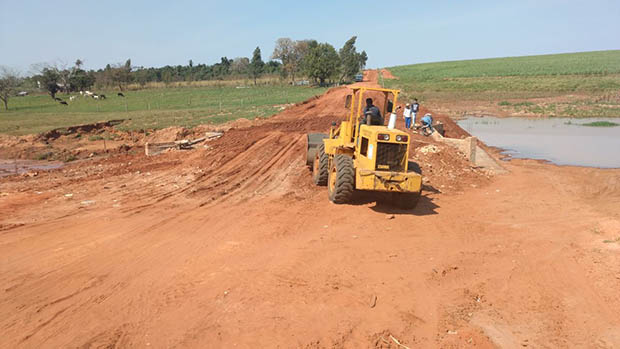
(341,181)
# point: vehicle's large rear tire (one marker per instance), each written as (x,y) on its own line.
(406,201)
(320,170)
(341,181)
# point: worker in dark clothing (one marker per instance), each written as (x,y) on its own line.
(372,115)
(415,107)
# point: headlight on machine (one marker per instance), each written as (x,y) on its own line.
(383,137)
(401,138)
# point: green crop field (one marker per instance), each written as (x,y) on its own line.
(515,83)
(151,108)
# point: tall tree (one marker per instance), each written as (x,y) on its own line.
(257,66)
(9,81)
(49,81)
(351,62)
(363,59)
(322,62)
(121,74)
(300,50)
(223,68)
(80,80)
(240,65)
(291,54)
(284,52)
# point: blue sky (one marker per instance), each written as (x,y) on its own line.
(156,33)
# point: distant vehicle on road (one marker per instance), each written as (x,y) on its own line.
(359,77)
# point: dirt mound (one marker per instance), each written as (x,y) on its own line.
(81,129)
(171,134)
(387,74)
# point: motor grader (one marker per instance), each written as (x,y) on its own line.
(358,155)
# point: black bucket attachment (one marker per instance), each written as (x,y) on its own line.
(313,141)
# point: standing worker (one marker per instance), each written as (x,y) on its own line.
(407,116)
(415,107)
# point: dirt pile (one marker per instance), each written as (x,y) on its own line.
(78,129)
(387,74)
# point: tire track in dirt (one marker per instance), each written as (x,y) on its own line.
(251,170)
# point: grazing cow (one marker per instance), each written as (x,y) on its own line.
(102,96)
(71,98)
(63,102)
(95,96)
(120,94)
(88,93)
(81,93)
(22,94)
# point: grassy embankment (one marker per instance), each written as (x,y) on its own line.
(152,108)
(571,85)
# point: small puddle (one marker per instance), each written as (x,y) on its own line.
(563,141)
(11,167)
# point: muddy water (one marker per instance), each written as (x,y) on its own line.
(562,141)
(11,167)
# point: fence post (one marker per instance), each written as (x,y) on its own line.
(472,149)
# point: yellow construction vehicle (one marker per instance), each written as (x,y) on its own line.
(364,155)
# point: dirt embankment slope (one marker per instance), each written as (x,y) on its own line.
(233,246)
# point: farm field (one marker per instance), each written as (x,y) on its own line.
(151,109)
(570,85)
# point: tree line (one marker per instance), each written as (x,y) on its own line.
(319,63)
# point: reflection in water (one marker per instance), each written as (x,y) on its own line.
(562,141)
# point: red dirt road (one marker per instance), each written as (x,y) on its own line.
(233,246)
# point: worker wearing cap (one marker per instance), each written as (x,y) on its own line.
(407,116)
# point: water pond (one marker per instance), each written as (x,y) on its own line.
(11,167)
(562,141)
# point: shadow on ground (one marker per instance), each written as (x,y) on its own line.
(383,204)
(425,207)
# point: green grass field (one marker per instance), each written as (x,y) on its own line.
(151,108)
(512,83)
(601,124)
